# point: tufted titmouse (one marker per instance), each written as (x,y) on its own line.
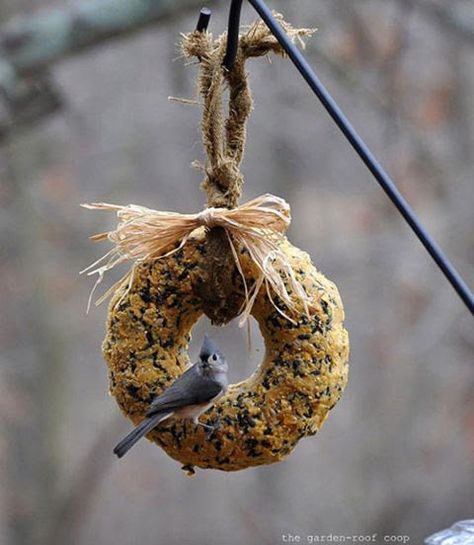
(189,396)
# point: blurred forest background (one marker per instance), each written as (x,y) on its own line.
(397,454)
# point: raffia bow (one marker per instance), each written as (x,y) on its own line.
(143,235)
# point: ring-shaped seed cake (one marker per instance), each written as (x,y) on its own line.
(260,420)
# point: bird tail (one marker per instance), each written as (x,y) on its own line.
(137,433)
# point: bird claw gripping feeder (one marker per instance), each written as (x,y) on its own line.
(224,262)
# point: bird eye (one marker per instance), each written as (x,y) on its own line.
(214,357)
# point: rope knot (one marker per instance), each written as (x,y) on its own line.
(144,235)
(223,184)
(208,217)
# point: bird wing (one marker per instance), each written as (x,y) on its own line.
(191,388)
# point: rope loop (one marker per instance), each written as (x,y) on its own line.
(224,135)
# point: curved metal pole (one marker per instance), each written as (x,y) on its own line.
(366,155)
(203,21)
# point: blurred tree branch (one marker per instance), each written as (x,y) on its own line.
(30,45)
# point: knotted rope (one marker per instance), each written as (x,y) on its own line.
(144,235)
(224,137)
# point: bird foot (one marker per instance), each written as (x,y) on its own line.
(211,428)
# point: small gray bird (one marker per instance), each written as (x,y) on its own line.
(190,395)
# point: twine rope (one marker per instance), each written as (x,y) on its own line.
(144,235)
(224,137)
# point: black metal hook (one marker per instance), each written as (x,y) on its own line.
(203,21)
(233,33)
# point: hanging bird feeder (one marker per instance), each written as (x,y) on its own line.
(224,262)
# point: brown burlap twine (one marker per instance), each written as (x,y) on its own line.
(224,138)
(144,234)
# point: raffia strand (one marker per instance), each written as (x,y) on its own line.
(144,235)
